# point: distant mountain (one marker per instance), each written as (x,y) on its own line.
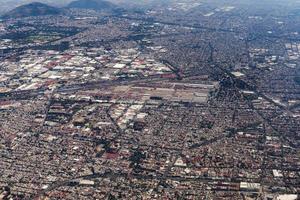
(92,4)
(32,9)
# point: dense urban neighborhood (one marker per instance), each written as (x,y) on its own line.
(177,99)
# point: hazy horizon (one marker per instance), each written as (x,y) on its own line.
(10,4)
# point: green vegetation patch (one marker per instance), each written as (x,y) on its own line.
(297,80)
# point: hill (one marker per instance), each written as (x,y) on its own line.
(32,9)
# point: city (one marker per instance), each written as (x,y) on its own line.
(167,99)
